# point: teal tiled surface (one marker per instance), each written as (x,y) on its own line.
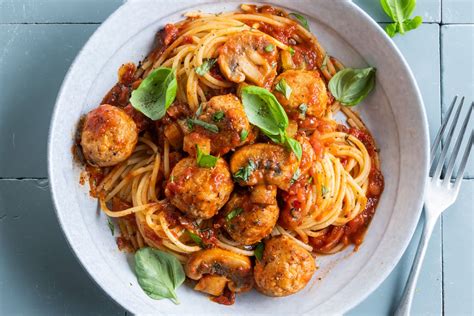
(33,63)
(38,273)
(458,70)
(458,11)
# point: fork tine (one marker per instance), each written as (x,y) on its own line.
(463,164)
(448,139)
(438,137)
(454,153)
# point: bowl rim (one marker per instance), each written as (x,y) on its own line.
(424,150)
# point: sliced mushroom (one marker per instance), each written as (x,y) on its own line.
(249,56)
(237,269)
(264,164)
(211,284)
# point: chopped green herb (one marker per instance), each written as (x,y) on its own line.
(205,161)
(111,225)
(198,111)
(244,172)
(218,116)
(234,213)
(195,238)
(295,176)
(301,19)
(324,190)
(291,50)
(324,64)
(258,252)
(243,135)
(210,127)
(206,65)
(303,108)
(284,88)
(310,180)
(269,48)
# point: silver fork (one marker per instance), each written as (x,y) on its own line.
(441,190)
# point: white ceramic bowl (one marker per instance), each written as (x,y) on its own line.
(393,112)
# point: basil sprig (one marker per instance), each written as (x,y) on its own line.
(350,86)
(205,161)
(156,93)
(159,273)
(301,19)
(400,11)
(264,111)
(206,65)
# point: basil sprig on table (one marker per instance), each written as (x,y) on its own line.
(350,86)
(205,161)
(400,11)
(301,19)
(264,111)
(159,273)
(156,93)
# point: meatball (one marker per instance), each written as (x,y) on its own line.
(250,217)
(250,57)
(308,88)
(108,136)
(285,267)
(264,164)
(228,114)
(199,192)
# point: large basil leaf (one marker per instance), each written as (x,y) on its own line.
(159,273)
(156,93)
(350,86)
(400,11)
(263,110)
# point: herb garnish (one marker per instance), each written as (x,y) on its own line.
(302,109)
(111,226)
(301,19)
(296,176)
(205,161)
(400,11)
(269,48)
(195,238)
(244,172)
(243,135)
(156,93)
(284,88)
(234,213)
(218,116)
(291,50)
(206,65)
(350,86)
(258,252)
(159,273)
(210,127)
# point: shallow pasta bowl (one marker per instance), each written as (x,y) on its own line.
(393,112)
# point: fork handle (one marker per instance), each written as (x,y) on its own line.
(404,306)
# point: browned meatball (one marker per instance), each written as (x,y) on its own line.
(307,87)
(199,192)
(264,164)
(227,113)
(250,57)
(285,267)
(108,137)
(250,217)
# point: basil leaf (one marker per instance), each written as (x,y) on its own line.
(301,19)
(284,88)
(198,111)
(269,48)
(258,252)
(195,238)
(156,93)
(205,161)
(206,65)
(400,11)
(295,146)
(350,86)
(244,172)
(234,213)
(210,127)
(263,110)
(218,116)
(159,273)
(111,226)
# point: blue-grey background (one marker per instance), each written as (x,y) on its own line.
(39,275)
